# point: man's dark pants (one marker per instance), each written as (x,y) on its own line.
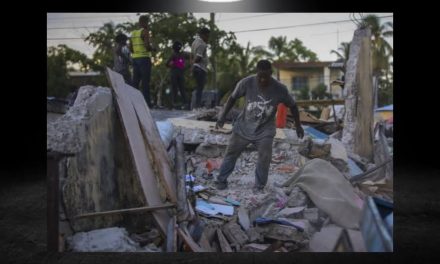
(236,145)
(142,74)
(178,83)
(200,76)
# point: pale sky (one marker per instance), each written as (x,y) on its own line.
(321,38)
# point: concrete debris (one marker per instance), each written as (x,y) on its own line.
(325,240)
(285,217)
(112,239)
(281,232)
(210,151)
(311,214)
(297,197)
(235,235)
(254,235)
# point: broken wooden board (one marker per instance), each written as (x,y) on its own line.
(171,235)
(235,235)
(189,241)
(224,245)
(204,243)
(138,150)
(206,125)
(183,212)
(243,218)
(158,153)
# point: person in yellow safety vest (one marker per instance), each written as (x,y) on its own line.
(141,48)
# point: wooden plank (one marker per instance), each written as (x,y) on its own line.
(192,214)
(320,102)
(130,210)
(171,235)
(224,245)
(189,241)
(204,243)
(182,206)
(243,218)
(142,164)
(153,142)
(236,236)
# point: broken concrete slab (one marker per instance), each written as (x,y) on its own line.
(294,212)
(297,198)
(210,151)
(254,235)
(112,239)
(330,191)
(281,232)
(311,214)
(325,240)
(311,149)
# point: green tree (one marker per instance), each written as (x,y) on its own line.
(60,60)
(293,50)
(382,53)
(320,92)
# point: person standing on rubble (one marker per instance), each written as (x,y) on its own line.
(122,57)
(141,48)
(256,123)
(199,61)
(176,63)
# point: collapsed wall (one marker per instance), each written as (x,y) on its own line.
(99,176)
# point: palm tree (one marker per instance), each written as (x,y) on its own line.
(343,52)
(382,52)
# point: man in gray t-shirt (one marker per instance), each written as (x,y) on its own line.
(256,123)
(199,60)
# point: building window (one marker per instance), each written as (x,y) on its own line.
(299,82)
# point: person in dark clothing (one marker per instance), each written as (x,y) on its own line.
(199,60)
(122,57)
(256,122)
(176,63)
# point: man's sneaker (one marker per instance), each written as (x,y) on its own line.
(258,189)
(221,185)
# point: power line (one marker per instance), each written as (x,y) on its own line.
(302,25)
(86,17)
(219,20)
(310,35)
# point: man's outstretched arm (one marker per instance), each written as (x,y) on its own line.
(295,113)
(229,104)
